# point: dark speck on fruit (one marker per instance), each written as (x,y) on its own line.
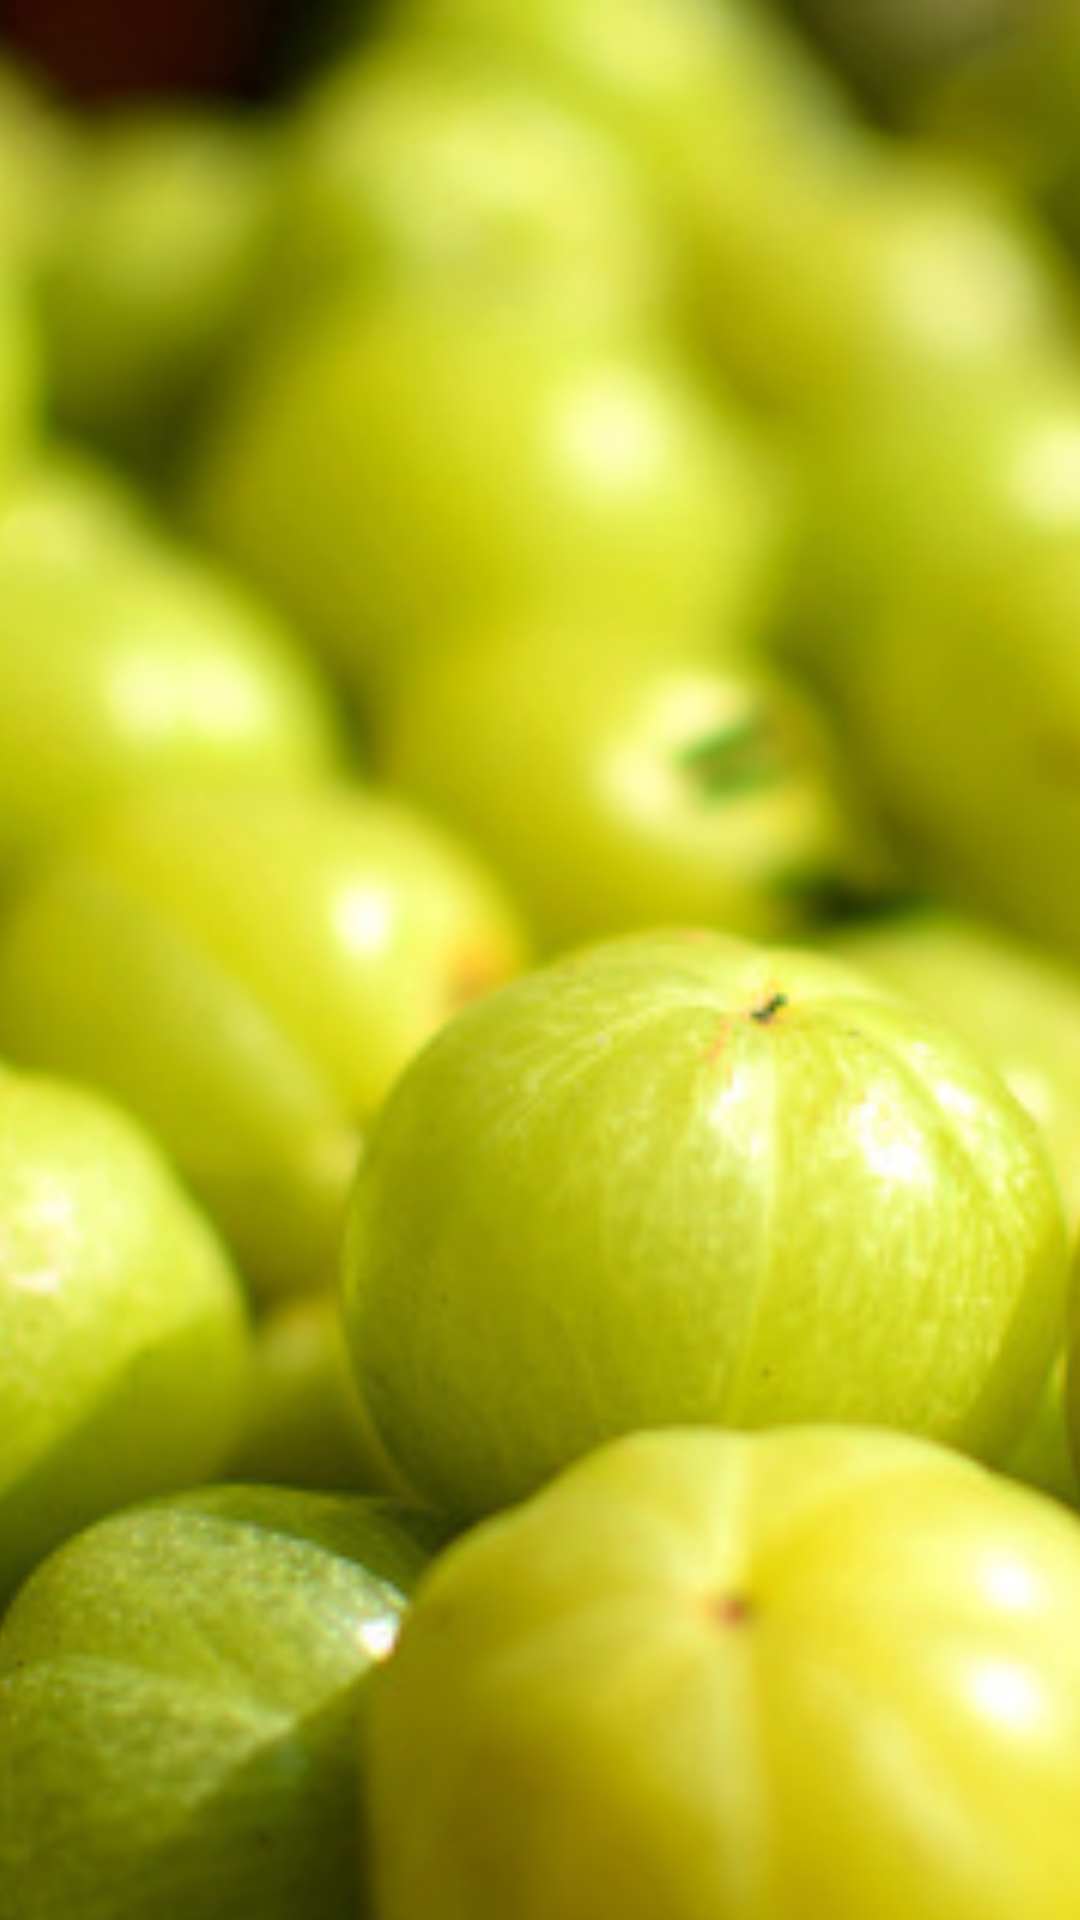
(768,1009)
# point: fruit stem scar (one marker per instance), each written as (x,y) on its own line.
(732,1609)
(769,1009)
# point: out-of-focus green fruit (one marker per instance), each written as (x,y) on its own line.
(125,661)
(41,155)
(434,164)
(159,263)
(19,374)
(818,257)
(306,1426)
(124,1357)
(181,1692)
(963,510)
(962,712)
(400,463)
(616,791)
(1021,1010)
(280,955)
(720,1677)
(682,1179)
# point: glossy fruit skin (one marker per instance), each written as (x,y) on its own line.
(156,268)
(282,953)
(426,163)
(181,1689)
(126,661)
(1017,1005)
(721,1677)
(662,792)
(678,1179)
(125,1357)
(395,463)
(1021,1010)
(306,1425)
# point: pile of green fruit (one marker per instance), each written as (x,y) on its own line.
(540,986)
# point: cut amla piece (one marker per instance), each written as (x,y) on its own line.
(280,954)
(677,1178)
(1020,1008)
(127,660)
(728,1677)
(124,1342)
(182,1690)
(616,788)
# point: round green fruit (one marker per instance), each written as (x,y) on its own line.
(158,264)
(615,790)
(819,260)
(124,1348)
(426,163)
(396,464)
(181,1691)
(40,158)
(679,1179)
(1017,1006)
(1020,1009)
(962,711)
(281,954)
(125,662)
(721,1677)
(19,375)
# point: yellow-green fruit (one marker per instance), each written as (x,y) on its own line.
(720,1677)
(126,661)
(157,266)
(1021,1010)
(397,464)
(41,155)
(821,259)
(436,164)
(677,1178)
(182,1690)
(615,789)
(124,1346)
(306,1426)
(280,954)
(1017,1005)
(19,374)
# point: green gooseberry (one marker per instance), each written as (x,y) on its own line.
(157,267)
(281,953)
(616,789)
(182,1690)
(730,1677)
(1020,1008)
(126,661)
(427,162)
(674,1179)
(398,462)
(124,1357)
